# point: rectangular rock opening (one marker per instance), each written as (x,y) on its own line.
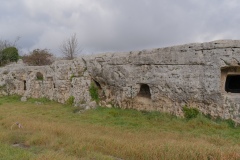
(25,86)
(144,91)
(230,79)
(232,84)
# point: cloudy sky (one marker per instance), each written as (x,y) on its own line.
(117,25)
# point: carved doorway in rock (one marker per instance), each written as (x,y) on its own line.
(230,79)
(232,84)
(144,91)
(24,85)
(143,99)
(100,89)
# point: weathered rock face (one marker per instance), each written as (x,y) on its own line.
(202,75)
(57,82)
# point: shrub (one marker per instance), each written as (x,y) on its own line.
(94,92)
(38,57)
(190,113)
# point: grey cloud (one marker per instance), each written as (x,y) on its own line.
(109,25)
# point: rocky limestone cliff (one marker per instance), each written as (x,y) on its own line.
(163,79)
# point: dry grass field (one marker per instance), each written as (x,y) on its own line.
(52,131)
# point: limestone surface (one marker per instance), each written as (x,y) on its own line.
(201,75)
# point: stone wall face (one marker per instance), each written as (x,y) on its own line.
(164,79)
(59,81)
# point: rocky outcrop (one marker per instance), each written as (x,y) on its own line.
(201,75)
(57,82)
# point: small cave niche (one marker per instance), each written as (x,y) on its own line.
(24,85)
(232,83)
(39,76)
(98,89)
(144,91)
(54,86)
(97,84)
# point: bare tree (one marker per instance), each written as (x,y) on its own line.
(5,43)
(38,57)
(70,47)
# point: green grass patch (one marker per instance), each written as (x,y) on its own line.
(43,100)
(8,152)
(12,98)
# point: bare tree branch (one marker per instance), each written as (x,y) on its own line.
(70,47)
(38,57)
(5,43)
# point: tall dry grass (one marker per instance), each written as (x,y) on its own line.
(52,131)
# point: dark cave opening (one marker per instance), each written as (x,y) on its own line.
(97,84)
(25,86)
(232,84)
(144,91)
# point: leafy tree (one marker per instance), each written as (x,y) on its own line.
(9,54)
(38,57)
(70,47)
(8,51)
